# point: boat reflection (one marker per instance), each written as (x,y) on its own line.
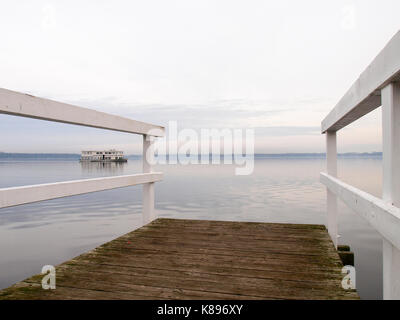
(113,168)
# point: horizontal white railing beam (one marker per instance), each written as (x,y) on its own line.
(24,105)
(28,194)
(365,96)
(382,216)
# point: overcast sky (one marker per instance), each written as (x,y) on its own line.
(277,66)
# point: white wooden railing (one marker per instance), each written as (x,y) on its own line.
(377,86)
(24,105)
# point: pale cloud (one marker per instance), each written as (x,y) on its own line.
(237,64)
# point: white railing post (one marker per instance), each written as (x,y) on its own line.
(331,167)
(391,183)
(148,188)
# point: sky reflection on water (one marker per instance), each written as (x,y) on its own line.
(279,190)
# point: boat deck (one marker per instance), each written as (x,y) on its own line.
(192,259)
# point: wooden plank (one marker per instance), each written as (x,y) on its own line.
(168,259)
(365,94)
(273,233)
(261,288)
(215,236)
(234,226)
(15,196)
(205,268)
(172,259)
(25,105)
(276,246)
(146,250)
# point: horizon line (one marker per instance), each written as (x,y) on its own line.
(198,154)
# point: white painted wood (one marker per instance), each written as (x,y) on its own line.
(148,203)
(391,143)
(331,153)
(24,105)
(391,269)
(148,188)
(381,215)
(331,199)
(364,95)
(28,194)
(391,183)
(378,85)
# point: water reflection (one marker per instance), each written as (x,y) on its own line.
(111,168)
(280,190)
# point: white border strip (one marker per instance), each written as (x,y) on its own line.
(24,105)
(382,216)
(27,194)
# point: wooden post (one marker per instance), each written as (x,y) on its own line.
(331,167)
(391,183)
(148,188)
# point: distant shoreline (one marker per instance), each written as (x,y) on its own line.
(73,156)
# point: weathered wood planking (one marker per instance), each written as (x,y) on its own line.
(191,259)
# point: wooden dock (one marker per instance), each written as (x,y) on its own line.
(192,259)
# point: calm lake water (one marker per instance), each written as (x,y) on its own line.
(279,190)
